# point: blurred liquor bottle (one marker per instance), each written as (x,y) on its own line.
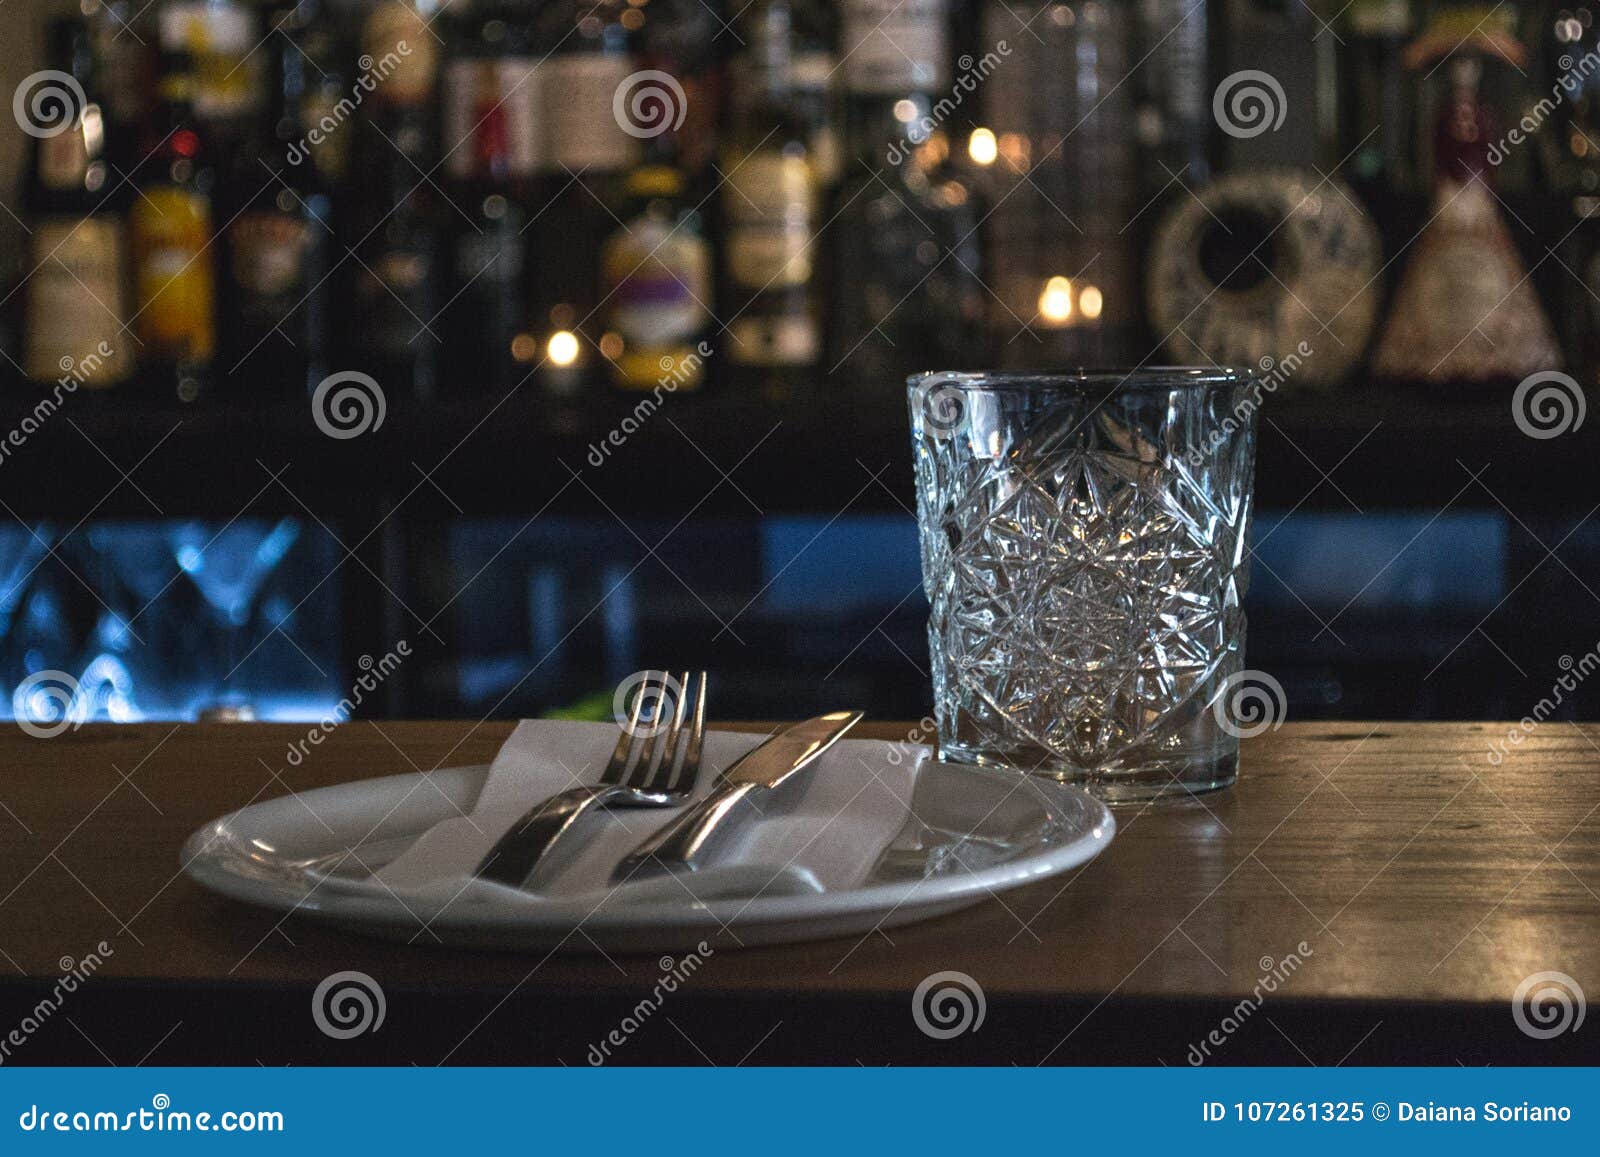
(894,286)
(587,79)
(394,333)
(126,67)
(1174,97)
(905,289)
(278,239)
(1376,117)
(76,304)
(173,259)
(491,141)
(1061,238)
(326,89)
(770,209)
(892,47)
(490,94)
(219,38)
(657,277)
(678,38)
(1174,123)
(814,83)
(1570,43)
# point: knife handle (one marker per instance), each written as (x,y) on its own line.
(683,842)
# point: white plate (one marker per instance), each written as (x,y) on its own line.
(975,833)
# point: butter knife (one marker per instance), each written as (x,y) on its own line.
(685,842)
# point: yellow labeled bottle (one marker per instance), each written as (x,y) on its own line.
(657,272)
(173,259)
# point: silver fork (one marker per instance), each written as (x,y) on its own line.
(656,778)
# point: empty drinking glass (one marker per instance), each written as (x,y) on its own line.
(1084,551)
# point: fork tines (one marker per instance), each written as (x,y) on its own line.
(669,750)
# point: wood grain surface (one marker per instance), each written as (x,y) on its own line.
(1413,882)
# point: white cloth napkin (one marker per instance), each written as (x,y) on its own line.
(821,831)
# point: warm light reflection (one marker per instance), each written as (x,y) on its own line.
(983,148)
(1055,303)
(611,344)
(1014,147)
(1091,302)
(905,111)
(563,347)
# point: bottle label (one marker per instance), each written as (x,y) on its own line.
(518,80)
(329,151)
(75,303)
(64,160)
(660,281)
(771,209)
(399,53)
(464,80)
(220,38)
(268,258)
(894,48)
(172,271)
(1380,17)
(492,95)
(578,91)
(779,340)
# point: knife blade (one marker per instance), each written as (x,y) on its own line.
(686,841)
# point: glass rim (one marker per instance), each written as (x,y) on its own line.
(1150,379)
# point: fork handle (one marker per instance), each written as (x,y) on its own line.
(512,859)
(684,842)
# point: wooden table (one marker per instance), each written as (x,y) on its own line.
(1415,883)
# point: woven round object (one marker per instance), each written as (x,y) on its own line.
(1259,266)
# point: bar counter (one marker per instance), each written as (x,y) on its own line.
(1396,880)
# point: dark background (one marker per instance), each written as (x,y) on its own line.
(1417,556)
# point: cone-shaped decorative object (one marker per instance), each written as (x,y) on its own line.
(1465,310)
